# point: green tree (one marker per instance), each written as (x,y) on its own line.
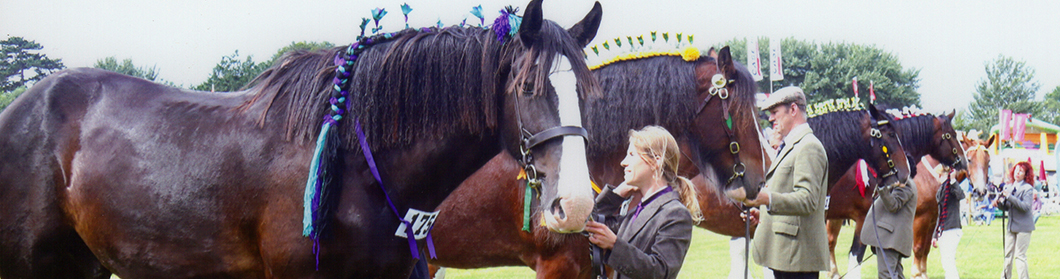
(126,67)
(231,74)
(7,97)
(1009,84)
(23,64)
(1051,107)
(303,45)
(827,71)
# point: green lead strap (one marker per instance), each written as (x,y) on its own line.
(526,207)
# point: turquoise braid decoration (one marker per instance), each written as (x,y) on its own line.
(322,168)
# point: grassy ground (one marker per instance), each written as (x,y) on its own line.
(978,256)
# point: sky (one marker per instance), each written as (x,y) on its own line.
(950,42)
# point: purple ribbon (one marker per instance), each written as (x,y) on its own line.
(408,225)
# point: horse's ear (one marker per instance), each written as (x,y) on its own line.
(713,53)
(532,20)
(990,141)
(875,113)
(725,62)
(952,113)
(585,30)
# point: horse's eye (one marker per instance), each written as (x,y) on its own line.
(528,87)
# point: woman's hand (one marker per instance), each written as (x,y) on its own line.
(625,190)
(600,234)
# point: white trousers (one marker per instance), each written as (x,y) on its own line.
(948,250)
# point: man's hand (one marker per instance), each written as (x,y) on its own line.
(754,215)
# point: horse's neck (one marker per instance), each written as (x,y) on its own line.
(606,169)
(915,140)
(426,173)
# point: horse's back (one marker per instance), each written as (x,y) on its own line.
(97,159)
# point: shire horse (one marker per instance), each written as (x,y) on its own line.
(921,135)
(107,173)
(662,90)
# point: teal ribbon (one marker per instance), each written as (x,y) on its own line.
(526,206)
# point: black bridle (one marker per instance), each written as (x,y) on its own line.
(877,136)
(528,140)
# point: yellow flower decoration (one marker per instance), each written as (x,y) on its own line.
(690,54)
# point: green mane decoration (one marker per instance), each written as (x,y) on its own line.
(601,55)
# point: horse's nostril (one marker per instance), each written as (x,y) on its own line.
(557,209)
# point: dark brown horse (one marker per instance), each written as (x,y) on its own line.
(848,135)
(102,173)
(665,91)
(923,135)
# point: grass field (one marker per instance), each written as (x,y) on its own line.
(978,256)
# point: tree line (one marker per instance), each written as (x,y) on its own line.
(824,71)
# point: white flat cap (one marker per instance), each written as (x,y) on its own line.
(786,95)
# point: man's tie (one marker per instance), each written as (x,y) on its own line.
(781,148)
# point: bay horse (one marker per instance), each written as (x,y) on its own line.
(493,189)
(662,90)
(103,173)
(921,135)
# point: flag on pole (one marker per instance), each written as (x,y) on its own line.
(855,86)
(1041,170)
(1006,123)
(754,60)
(872,93)
(776,68)
(1019,126)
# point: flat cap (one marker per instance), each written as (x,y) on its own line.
(786,95)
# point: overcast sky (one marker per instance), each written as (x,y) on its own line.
(949,41)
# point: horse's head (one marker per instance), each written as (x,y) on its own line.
(976,150)
(888,157)
(542,123)
(947,148)
(727,120)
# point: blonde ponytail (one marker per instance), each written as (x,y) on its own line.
(687,191)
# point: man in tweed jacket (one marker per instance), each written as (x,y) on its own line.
(791,238)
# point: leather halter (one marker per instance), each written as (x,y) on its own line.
(529,140)
(878,136)
(719,88)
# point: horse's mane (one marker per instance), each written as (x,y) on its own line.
(660,90)
(419,84)
(840,132)
(915,132)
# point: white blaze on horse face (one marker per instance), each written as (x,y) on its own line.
(573,187)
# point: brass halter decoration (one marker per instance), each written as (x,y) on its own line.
(719,88)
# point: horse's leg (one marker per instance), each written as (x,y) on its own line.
(571,260)
(435,271)
(737,257)
(834,226)
(857,251)
(923,226)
